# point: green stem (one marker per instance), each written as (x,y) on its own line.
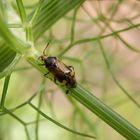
(3,12)
(14,43)
(112,118)
(22,12)
(27,133)
(4,92)
(73,25)
(97,38)
(27,26)
(114,77)
(59,124)
(83,115)
(19,120)
(14,116)
(38,115)
(37,11)
(105,113)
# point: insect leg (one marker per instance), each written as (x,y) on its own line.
(46,74)
(67,91)
(72,73)
(55,80)
(71,67)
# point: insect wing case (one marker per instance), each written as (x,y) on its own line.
(62,67)
(69,74)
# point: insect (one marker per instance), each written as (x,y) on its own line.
(61,72)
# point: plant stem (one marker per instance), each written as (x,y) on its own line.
(59,124)
(105,113)
(14,43)
(98,37)
(27,26)
(5,87)
(112,118)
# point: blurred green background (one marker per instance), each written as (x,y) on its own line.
(93,18)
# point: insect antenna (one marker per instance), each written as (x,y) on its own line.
(46,48)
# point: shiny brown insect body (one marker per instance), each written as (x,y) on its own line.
(61,72)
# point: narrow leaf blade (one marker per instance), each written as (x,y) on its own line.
(8,59)
(50,12)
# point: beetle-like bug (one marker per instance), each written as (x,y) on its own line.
(61,72)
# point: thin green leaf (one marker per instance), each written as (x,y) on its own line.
(128,45)
(37,11)
(19,120)
(50,12)
(23,17)
(59,124)
(14,116)
(27,133)
(38,115)
(123,41)
(14,43)
(22,12)
(4,92)
(100,37)
(73,25)
(3,12)
(114,77)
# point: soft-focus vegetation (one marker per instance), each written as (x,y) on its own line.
(100,38)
